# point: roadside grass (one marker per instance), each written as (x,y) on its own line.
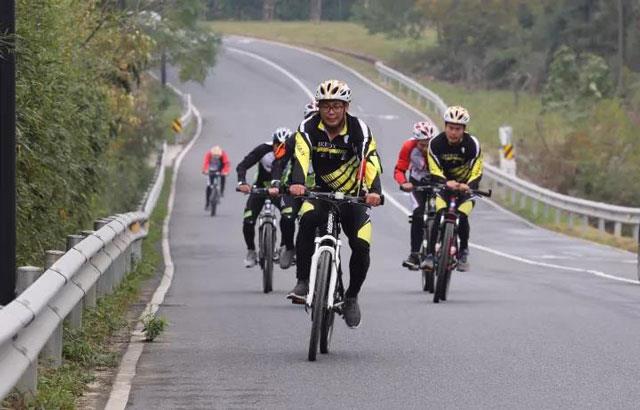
(342,35)
(167,103)
(89,348)
(489,109)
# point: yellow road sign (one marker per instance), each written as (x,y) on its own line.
(176,126)
(508,151)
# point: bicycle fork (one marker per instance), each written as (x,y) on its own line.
(331,245)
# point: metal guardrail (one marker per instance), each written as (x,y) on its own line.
(93,266)
(523,193)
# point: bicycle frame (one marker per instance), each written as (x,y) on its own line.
(267,216)
(330,242)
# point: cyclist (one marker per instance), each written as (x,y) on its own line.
(413,157)
(281,174)
(343,154)
(455,158)
(263,155)
(216,162)
(310,109)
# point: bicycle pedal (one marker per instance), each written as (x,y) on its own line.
(296,301)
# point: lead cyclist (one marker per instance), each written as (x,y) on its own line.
(344,157)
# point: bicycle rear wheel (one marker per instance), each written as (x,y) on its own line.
(319,306)
(428,276)
(443,271)
(267,252)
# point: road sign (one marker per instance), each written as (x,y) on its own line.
(176,126)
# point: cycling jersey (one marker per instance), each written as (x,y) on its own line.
(413,159)
(348,163)
(461,162)
(216,164)
(262,155)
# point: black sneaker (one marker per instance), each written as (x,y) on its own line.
(299,293)
(463,260)
(412,262)
(351,312)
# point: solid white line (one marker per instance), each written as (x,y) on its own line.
(277,67)
(122,386)
(387,195)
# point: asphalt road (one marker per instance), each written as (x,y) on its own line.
(518,331)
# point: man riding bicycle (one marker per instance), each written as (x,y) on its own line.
(216,163)
(413,157)
(343,154)
(455,158)
(264,155)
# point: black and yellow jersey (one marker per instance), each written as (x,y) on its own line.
(337,162)
(460,162)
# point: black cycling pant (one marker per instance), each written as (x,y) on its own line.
(212,177)
(289,207)
(288,211)
(464,231)
(419,199)
(357,227)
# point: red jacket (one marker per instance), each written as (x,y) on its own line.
(411,159)
(226,165)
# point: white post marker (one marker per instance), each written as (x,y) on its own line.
(507,152)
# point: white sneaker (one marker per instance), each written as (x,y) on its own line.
(251,260)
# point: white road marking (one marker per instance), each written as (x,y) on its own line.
(388,196)
(122,385)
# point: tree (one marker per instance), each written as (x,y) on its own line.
(315,13)
(396,18)
(268,9)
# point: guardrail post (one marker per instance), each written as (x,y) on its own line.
(585,222)
(534,207)
(109,276)
(75,316)
(601,225)
(52,350)
(558,216)
(545,211)
(617,228)
(25,276)
(523,201)
(99,288)
(570,219)
(513,197)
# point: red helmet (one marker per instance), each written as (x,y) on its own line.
(424,130)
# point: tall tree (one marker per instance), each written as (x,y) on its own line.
(268,9)
(315,13)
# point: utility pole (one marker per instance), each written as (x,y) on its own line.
(7,153)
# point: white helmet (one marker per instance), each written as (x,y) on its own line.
(333,90)
(457,115)
(310,109)
(281,134)
(424,130)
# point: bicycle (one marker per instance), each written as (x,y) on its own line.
(214,193)
(267,237)
(326,290)
(447,245)
(429,216)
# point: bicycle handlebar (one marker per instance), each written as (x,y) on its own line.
(438,187)
(338,197)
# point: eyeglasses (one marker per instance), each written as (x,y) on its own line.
(336,106)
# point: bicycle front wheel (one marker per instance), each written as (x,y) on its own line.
(319,305)
(267,252)
(213,200)
(443,269)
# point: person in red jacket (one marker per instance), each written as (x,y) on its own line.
(413,157)
(216,162)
